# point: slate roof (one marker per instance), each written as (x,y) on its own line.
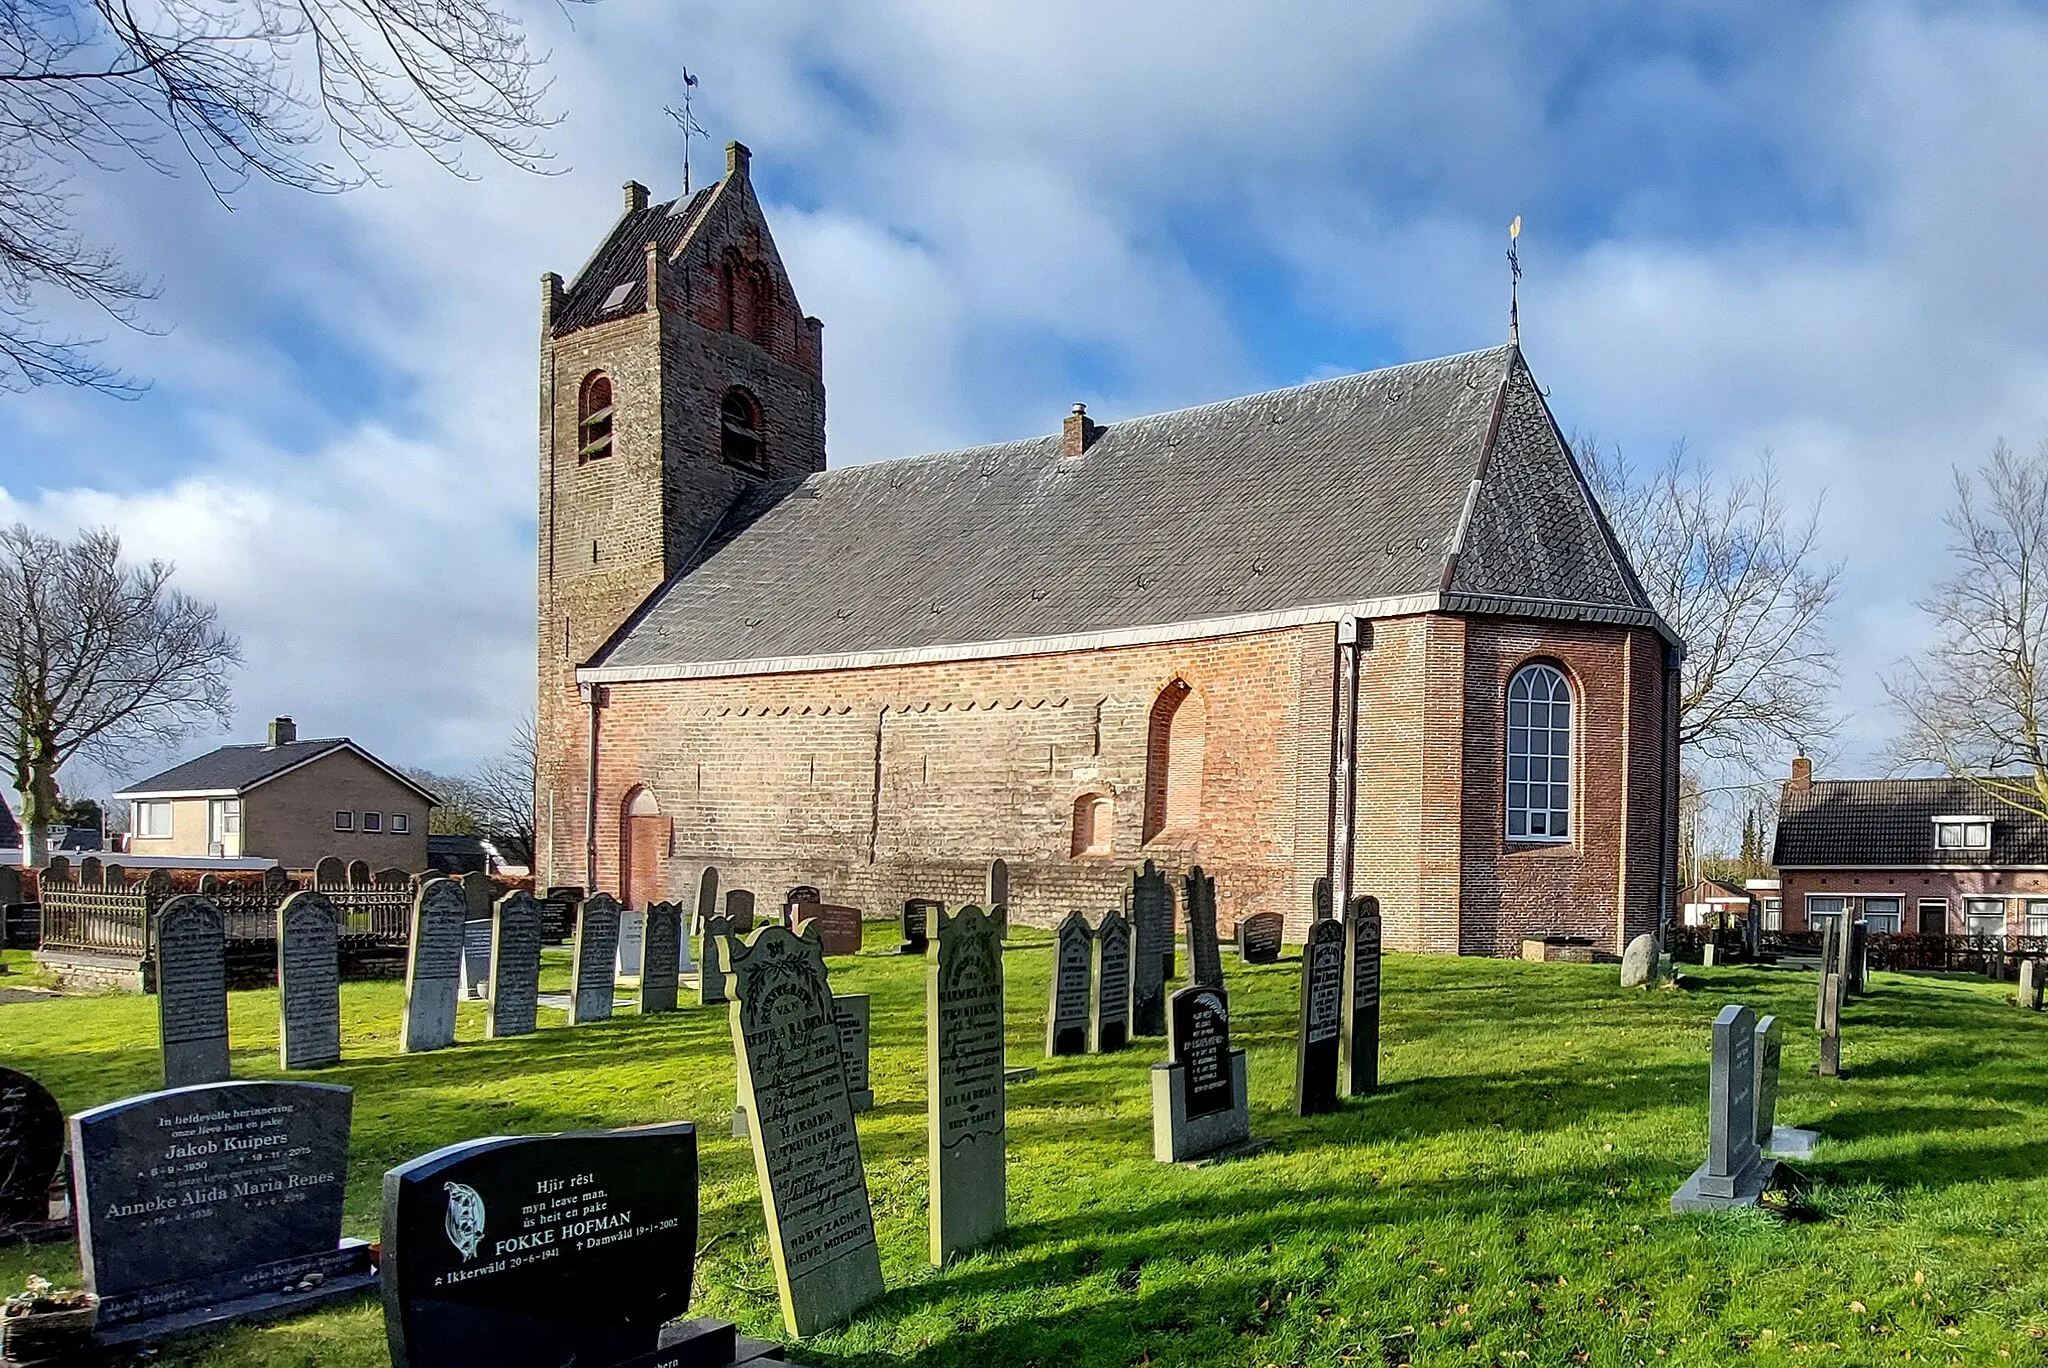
(237,769)
(1440,484)
(1839,823)
(613,283)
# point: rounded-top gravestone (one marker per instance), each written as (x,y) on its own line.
(1639,962)
(31,1146)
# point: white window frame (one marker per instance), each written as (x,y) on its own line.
(344,821)
(401,825)
(1971,916)
(1962,833)
(1774,914)
(2035,910)
(373,823)
(1920,913)
(1819,920)
(1897,915)
(144,829)
(1520,812)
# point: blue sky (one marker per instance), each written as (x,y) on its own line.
(1809,229)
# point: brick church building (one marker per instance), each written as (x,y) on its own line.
(1373,627)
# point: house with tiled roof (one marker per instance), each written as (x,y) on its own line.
(1936,856)
(285,799)
(1373,629)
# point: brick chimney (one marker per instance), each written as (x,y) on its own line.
(283,731)
(1079,434)
(1802,772)
(737,159)
(636,197)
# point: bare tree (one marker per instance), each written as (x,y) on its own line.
(96,657)
(301,92)
(1738,575)
(503,791)
(1976,702)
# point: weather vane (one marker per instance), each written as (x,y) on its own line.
(1514,283)
(688,121)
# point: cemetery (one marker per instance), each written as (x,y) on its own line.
(1232,1150)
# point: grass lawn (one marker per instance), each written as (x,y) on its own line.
(1503,1200)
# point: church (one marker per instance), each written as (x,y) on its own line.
(1374,629)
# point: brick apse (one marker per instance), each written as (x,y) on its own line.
(1276,636)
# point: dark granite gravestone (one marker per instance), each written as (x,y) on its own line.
(996,895)
(359,873)
(711,966)
(478,893)
(592,962)
(632,949)
(1859,957)
(1111,1025)
(1320,908)
(539,1251)
(89,875)
(850,1011)
(1321,1019)
(192,991)
(31,1146)
(1359,1072)
(476,956)
(965,1118)
(1151,942)
(707,900)
(558,914)
(515,966)
(1736,1172)
(917,924)
(792,1087)
(1205,956)
(795,901)
(199,1204)
(1073,961)
(433,966)
(1833,989)
(660,963)
(330,873)
(308,981)
(1200,1110)
(839,928)
(1201,1045)
(1258,937)
(739,911)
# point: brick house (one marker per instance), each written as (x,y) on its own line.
(1936,856)
(1374,628)
(292,801)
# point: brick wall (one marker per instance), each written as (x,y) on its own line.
(291,818)
(2013,886)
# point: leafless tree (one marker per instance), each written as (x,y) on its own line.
(97,657)
(493,801)
(300,92)
(1738,575)
(1976,703)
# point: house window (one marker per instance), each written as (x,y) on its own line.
(739,441)
(1881,915)
(400,824)
(344,821)
(1823,909)
(594,417)
(1173,759)
(1539,755)
(1774,914)
(1984,916)
(1934,916)
(373,822)
(1092,825)
(1962,833)
(152,821)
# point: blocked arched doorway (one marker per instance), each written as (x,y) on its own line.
(643,845)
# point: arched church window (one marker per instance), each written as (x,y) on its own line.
(1539,787)
(1092,825)
(594,417)
(1173,760)
(739,421)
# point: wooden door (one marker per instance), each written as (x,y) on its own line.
(646,841)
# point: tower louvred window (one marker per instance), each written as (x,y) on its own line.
(594,417)
(739,420)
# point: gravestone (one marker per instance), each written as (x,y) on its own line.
(1639,962)
(1736,1172)
(798,898)
(1783,1142)
(433,966)
(1359,1074)
(792,1086)
(308,981)
(89,872)
(476,956)
(739,911)
(660,967)
(995,894)
(391,878)
(192,991)
(1258,937)
(209,884)
(2031,985)
(1112,1018)
(31,1147)
(1205,957)
(1073,961)
(592,961)
(850,1012)
(964,1086)
(558,914)
(1832,992)
(1320,908)
(276,882)
(359,873)
(917,924)
(632,951)
(1151,939)
(1321,1019)
(536,1251)
(478,893)
(1859,957)
(1199,1105)
(707,900)
(330,873)
(198,1205)
(56,871)
(711,970)
(838,927)
(113,875)
(515,966)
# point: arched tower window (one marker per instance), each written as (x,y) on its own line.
(739,421)
(594,417)
(1539,797)
(1173,760)
(1093,825)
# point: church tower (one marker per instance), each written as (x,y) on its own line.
(677,372)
